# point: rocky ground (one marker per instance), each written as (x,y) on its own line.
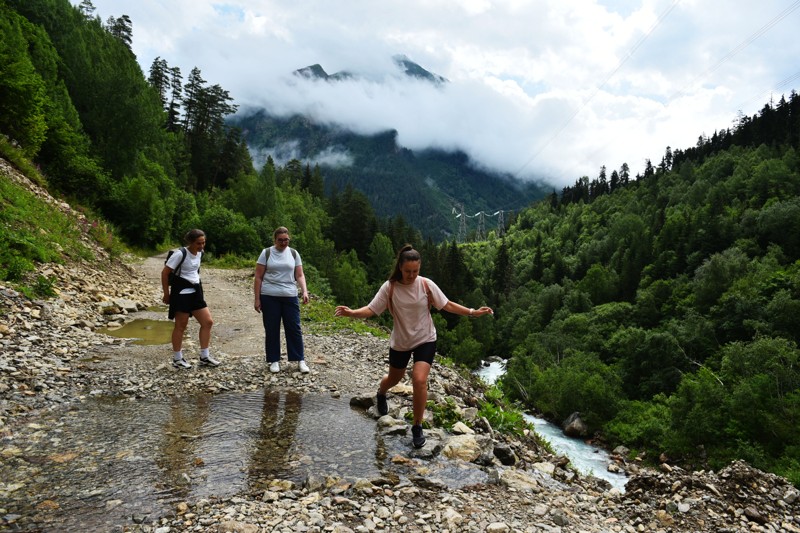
(51,356)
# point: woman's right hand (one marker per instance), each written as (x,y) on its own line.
(257,305)
(342,310)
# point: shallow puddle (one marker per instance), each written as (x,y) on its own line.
(107,463)
(146,332)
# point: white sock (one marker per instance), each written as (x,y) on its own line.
(204,353)
(177,355)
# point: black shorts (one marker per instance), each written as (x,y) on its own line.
(423,352)
(186,303)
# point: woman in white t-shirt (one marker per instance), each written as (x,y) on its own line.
(408,297)
(185,298)
(279,270)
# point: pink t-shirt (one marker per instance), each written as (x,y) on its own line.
(413,324)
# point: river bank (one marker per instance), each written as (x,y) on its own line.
(57,374)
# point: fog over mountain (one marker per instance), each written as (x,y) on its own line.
(545,89)
(425,109)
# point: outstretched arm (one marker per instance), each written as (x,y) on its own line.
(458,309)
(361,312)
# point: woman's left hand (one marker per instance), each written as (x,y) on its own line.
(483,311)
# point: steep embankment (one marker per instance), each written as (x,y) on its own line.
(52,357)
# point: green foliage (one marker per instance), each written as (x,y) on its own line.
(349,282)
(43,286)
(581,382)
(380,258)
(23,100)
(318,318)
(641,424)
(445,414)
(33,231)
(139,207)
(503,416)
(228,232)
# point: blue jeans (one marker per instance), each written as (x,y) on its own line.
(273,310)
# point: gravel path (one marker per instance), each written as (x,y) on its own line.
(347,364)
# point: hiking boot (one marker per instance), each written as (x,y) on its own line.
(275,367)
(417,438)
(303,367)
(383,406)
(181,363)
(209,361)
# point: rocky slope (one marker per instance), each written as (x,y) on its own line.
(52,356)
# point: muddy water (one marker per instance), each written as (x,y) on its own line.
(110,462)
(146,332)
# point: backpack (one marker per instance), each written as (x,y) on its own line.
(391,293)
(269,249)
(176,272)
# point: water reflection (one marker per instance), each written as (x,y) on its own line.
(179,452)
(273,445)
(108,461)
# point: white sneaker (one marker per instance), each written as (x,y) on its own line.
(275,367)
(181,363)
(209,361)
(303,367)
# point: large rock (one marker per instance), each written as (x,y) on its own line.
(574,426)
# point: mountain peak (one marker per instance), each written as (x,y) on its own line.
(413,70)
(406,66)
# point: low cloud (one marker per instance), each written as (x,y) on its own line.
(546,90)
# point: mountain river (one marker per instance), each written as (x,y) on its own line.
(585,458)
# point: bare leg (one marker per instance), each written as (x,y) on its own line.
(419,381)
(203,316)
(181,321)
(391,379)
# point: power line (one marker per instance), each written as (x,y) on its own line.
(597,89)
(741,46)
(480,232)
(788,82)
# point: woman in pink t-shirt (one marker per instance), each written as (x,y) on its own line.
(408,297)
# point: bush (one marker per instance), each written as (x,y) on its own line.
(228,232)
(644,424)
(503,416)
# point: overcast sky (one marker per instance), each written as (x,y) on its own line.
(547,89)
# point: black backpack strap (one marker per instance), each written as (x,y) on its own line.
(267,251)
(177,270)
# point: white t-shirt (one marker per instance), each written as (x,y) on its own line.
(413,324)
(279,277)
(190,269)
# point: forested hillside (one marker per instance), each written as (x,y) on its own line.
(431,183)
(153,156)
(665,307)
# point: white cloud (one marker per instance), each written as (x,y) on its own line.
(551,89)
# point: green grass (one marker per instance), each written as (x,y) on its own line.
(17,158)
(318,318)
(33,231)
(230,261)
